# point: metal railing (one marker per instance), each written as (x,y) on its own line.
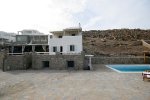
(42,53)
(15,53)
(47,53)
(71,53)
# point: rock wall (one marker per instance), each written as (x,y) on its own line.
(119,60)
(1,59)
(35,61)
(14,62)
(57,61)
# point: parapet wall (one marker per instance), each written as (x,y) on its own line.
(119,60)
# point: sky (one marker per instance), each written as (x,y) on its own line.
(52,15)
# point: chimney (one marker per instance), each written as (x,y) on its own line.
(79,25)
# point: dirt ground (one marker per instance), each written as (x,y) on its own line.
(100,84)
(112,47)
(115,42)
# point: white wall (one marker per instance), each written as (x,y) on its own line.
(9,36)
(66,41)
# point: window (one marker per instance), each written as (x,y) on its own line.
(70,63)
(73,34)
(28,49)
(60,36)
(54,49)
(22,38)
(72,48)
(39,48)
(45,64)
(51,36)
(61,49)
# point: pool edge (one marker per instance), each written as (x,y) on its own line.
(122,71)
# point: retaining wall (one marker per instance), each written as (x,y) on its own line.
(35,61)
(119,60)
(1,59)
(57,61)
(14,62)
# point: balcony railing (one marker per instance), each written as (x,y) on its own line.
(15,53)
(71,53)
(48,53)
(42,53)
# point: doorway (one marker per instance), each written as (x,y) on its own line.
(61,49)
(45,64)
(70,63)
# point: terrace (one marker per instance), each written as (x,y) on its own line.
(101,83)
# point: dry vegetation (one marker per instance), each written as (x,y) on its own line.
(117,42)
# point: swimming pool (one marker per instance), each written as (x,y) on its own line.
(129,68)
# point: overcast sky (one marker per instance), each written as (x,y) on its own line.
(49,15)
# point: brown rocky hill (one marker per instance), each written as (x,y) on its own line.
(116,42)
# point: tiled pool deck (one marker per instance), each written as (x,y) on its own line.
(100,84)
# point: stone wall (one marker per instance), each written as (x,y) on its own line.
(28,60)
(35,61)
(57,61)
(1,59)
(119,60)
(14,62)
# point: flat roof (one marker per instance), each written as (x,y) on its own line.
(57,32)
(71,29)
(33,35)
(27,44)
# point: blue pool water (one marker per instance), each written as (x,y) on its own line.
(129,68)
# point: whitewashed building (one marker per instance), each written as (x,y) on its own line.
(7,37)
(62,50)
(68,41)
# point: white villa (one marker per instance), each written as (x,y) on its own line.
(61,50)
(68,41)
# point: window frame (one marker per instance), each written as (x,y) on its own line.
(60,36)
(54,48)
(72,47)
(73,34)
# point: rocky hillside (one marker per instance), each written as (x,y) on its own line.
(117,42)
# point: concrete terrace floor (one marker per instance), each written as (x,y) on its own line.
(100,84)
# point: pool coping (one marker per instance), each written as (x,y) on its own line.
(125,64)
